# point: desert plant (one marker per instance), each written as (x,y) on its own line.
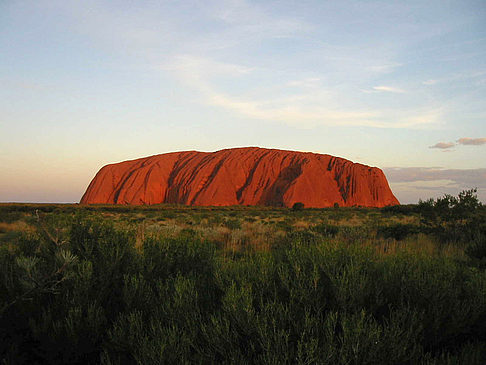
(398,231)
(298,206)
(453,218)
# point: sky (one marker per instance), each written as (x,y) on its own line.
(400,85)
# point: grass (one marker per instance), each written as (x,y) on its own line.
(237,285)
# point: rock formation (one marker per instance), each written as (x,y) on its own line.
(245,176)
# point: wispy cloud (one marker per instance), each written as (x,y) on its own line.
(383,88)
(198,70)
(202,58)
(472,141)
(443,145)
(251,19)
(385,68)
(299,114)
(294,114)
(309,82)
(457,77)
(311,106)
(389,89)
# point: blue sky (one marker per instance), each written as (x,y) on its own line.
(396,84)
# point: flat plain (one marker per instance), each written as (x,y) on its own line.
(175,284)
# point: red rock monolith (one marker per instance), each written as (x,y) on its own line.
(241,176)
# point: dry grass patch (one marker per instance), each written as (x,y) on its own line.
(18,226)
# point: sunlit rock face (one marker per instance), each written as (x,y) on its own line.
(241,176)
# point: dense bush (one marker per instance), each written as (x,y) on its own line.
(450,218)
(398,231)
(91,294)
(9,216)
(321,290)
(460,219)
(298,206)
(407,209)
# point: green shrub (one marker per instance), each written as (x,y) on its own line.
(232,223)
(298,206)
(82,291)
(476,249)
(452,219)
(398,231)
(326,230)
(407,209)
(8,216)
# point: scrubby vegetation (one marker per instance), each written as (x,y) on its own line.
(244,285)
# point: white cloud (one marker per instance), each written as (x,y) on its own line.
(200,68)
(195,58)
(389,89)
(310,82)
(293,114)
(308,108)
(457,77)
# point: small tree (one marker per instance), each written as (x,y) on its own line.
(298,206)
(452,218)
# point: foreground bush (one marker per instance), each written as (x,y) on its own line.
(95,296)
(456,219)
